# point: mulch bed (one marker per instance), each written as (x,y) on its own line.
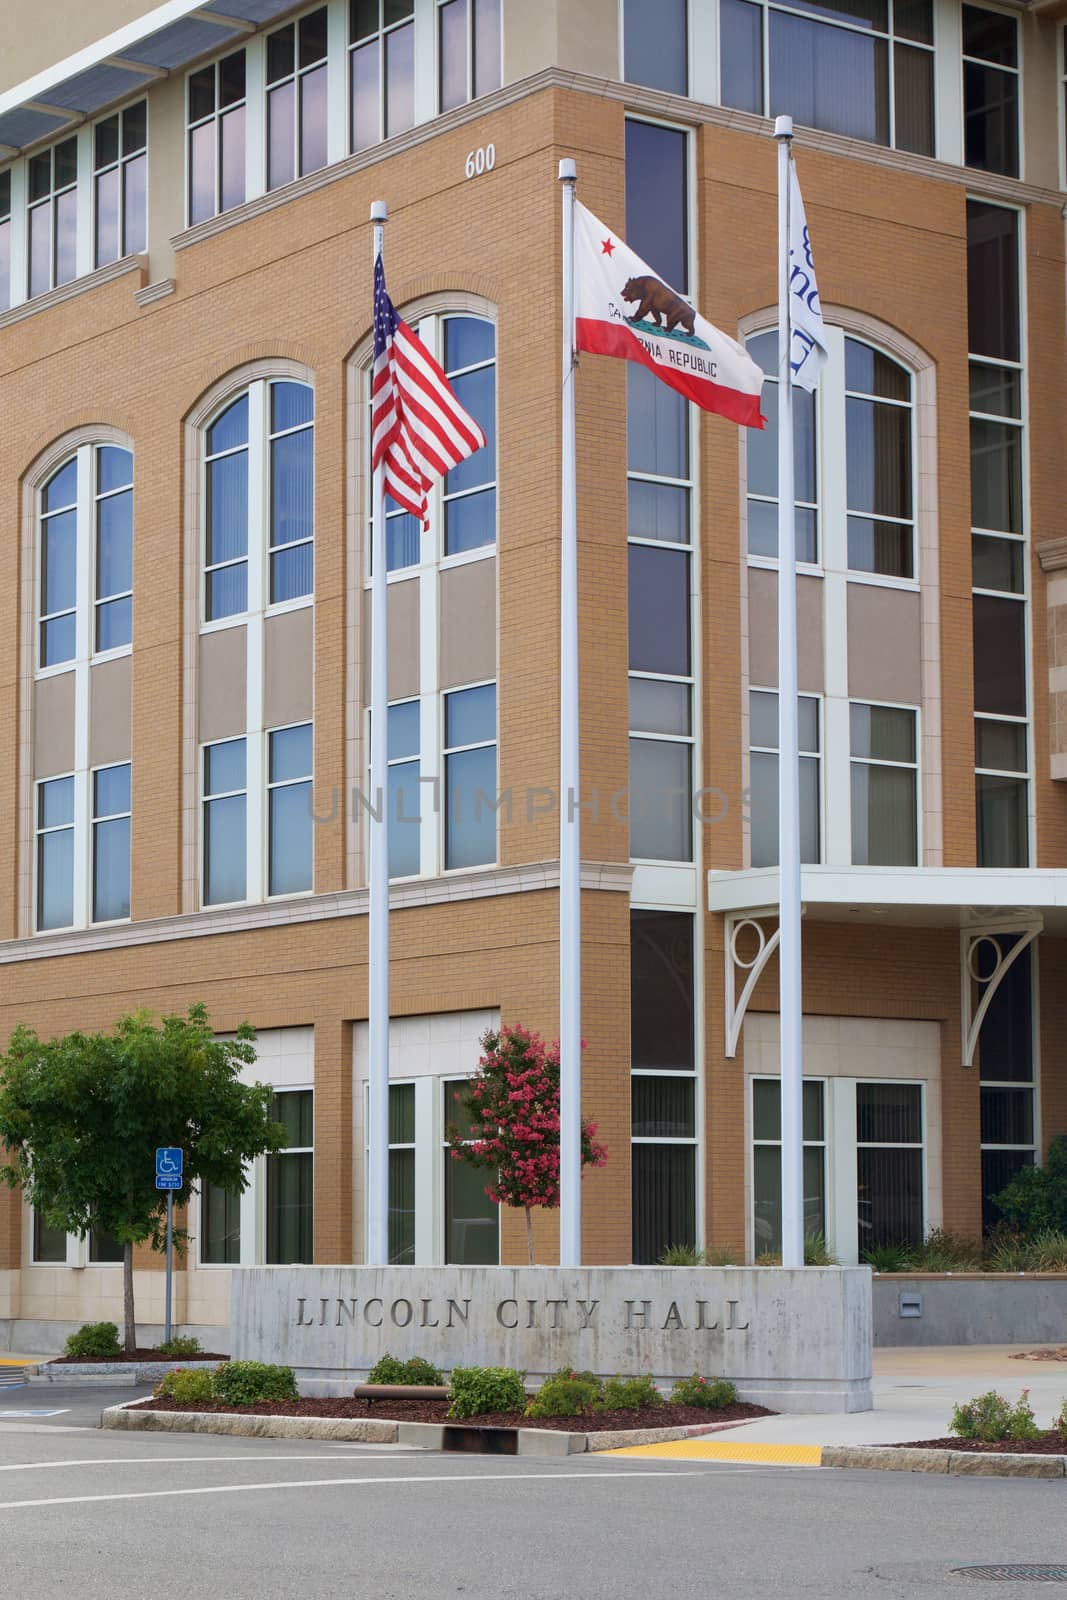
(138,1355)
(1058,1354)
(1049,1444)
(665,1416)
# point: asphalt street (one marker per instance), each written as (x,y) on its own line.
(94,1513)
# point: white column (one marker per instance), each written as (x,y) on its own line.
(378,875)
(570,929)
(788,766)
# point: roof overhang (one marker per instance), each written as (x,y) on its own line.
(167,39)
(941,897)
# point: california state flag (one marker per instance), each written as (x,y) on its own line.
(622,309)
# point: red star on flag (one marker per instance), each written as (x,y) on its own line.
(607,246)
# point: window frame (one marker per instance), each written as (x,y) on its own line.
(95,822)
(817,755)
(995,66)
(297,77)
(822,1144)
(217,117)
(121,163)
(915,766)
(281,1155)
(471,34)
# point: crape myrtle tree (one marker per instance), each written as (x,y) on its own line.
(511,1107)
(81,1118)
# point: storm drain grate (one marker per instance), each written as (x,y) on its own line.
(1019,1572)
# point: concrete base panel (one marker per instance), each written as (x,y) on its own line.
(49,1338)
(960,1308)
(794,1340)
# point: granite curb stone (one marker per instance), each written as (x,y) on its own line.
(886,1458)
(120,1371)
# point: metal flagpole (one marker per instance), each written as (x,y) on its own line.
(570,915)
(790,1005)
(378,873)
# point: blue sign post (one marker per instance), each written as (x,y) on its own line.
(170,1164)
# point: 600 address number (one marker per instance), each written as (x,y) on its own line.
(481,160)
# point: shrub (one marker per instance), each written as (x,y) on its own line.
(183,1347)
(1059,1423)
(480,1391)
(1036,1198)
(630,1394)
(243,1383)
(887,1258)
(990,1417)
(691,1255)
(697,1391)
(186,1387)
(99,1339)
(389,1370)
(944,1252)
(567,1394)
(817,1253)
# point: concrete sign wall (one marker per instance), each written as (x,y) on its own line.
(795,1340)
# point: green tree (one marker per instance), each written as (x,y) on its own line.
(81,1117)
(1035,1200)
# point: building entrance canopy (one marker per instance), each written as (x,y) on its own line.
(988,906)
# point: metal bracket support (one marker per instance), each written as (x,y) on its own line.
(978,987)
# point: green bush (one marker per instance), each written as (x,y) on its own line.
(630,1394)
(567,1394)
(479,1391)
(186,1386)
(1059,1423)
(99,1339)
(243,1383)
(697,1391)
(183,1347)
(389,1370)
(817,1253)
(1036,1198)
(941,1251)
(887,1258)
(991,1417)
(682,1255)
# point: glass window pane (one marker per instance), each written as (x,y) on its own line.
(767,1110)
(292,573)
(1007,1116)
(365,92)
(763,807)
(402,1113)
(888,1113)
(741,51)
(202,172)
(656,204)
(468,342)
(104,1247)
(883,816)
(111,791)
(654,45)
(659,610)
(660,707)
(49,1244)
(996,476)
(114,468)
(1000,745)
(111,870)
(135,128)
(232,176)
(989,35)
(399,80)
(281,135)
(290,753)
(312,30)
(1003,834)
(472,1220)
(878,441)
(913,92)
(999,655)
(402,731)
(829,77)
(114,624)
(291,404)
(885,547)
(884,733)
(890,1197)
(452,22)
(657,425)
(135,206)
(58,550)
(661,801)
(470,819)
(292,488)
(114,545)
(401,1207)
(40,249)
(1006,1039)
(232,78)
(997,563)
(663,1178)
(993,280)
(58,640)
(227,508)
(313,120)
(470,522)
(998,1169)
(868,371)
(220,1226)
(662,1108)
(990,119)
(657,511)
(55,879)
(486,47)
(107,217)
(402,541)
(230,428)
(290,867)
(62,487)
(224,769)
(455,1113)
(762,447)
(290,1209)
(227,592)
(66,236)
(55,802)
(224,850)
(661,991)
(476,393)
(470,716)
(40,175)
(996,390)
(281,54)
(295,1110)
(363,18)
(404,799)
(201,93)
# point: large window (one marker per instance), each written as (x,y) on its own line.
(991,90)
(120,183)
(468,50)
(884,786)
(663,1083)
(52,193)
(55,854)
(767,1163)
(889,1163)
(864,68)
(655,44)
(470,777)
(220,1226)
(257,844)
(291,1182)
(111,843)
(763,777)
(657,199)
(217,115)
(998,540)
(296,98)
(403,796)
(1006,1056)
(761,446)
(259,500)
(94,486)
(225,822)
(472,1220)
(381,36)
(401,1174)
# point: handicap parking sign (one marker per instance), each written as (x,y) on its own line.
(169,1163)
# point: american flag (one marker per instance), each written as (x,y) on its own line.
(418,427)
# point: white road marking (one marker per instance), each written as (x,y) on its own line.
(344,1483)
(147,1461)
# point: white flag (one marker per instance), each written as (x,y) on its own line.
(807,353)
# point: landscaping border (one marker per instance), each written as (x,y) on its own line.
(365,1430)
(961,1463)
(119,1371)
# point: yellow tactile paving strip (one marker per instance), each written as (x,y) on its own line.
(771,1455)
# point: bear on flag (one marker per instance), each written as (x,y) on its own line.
(623,309)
